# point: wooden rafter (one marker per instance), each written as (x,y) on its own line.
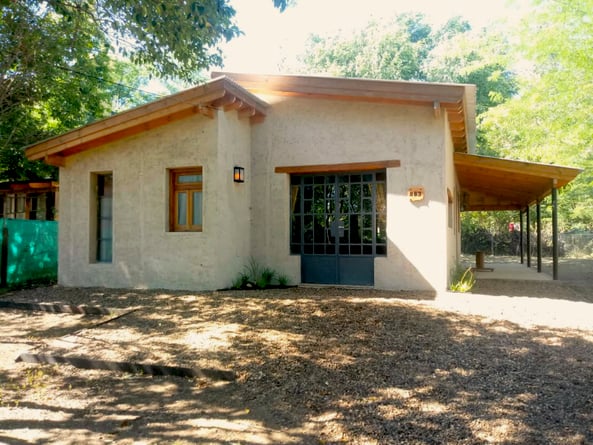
(501,184)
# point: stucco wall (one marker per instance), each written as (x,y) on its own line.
(299,131)
(453,231)
(145,254)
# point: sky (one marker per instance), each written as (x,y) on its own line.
(273,39)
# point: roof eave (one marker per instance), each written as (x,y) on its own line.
(219,93)
(458,100)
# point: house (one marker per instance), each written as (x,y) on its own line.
(327,180)
(34,200)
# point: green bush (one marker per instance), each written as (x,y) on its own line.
(256,276)
(463,280)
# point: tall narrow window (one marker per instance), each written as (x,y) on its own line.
(104,217)
(185,201)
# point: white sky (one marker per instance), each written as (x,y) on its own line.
(271,37)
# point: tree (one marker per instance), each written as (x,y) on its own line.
(550,119)
(60,66)
(407,48)
(382,50)
(175,38)
(41,90)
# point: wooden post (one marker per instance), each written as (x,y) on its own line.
(521,234)
(539,235)
(4,256)
(528,241)
(554,231)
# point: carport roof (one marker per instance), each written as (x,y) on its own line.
(502,184)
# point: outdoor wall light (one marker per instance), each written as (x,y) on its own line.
(238,174)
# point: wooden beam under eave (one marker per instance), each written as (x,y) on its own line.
(55,160)
(224,101)
(335,168)
(436,107)
(235,105)
(206,111)
(246,113)
(257,119)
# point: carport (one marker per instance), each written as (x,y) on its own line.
(491,184)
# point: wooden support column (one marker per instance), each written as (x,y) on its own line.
(538,225)
(521,234)
(554,231)
(528,241)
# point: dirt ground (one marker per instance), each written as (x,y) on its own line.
(510,363)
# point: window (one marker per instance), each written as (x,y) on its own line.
(185,200)
(104,217)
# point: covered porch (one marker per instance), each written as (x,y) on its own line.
(491,184)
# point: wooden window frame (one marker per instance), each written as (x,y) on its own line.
(189,188)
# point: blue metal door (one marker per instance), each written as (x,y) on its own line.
(338,224)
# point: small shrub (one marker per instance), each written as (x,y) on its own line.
(255,275)
(282,280)
(241,281)
(265,277)
(463,282)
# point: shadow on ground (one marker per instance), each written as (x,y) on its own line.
(316,366)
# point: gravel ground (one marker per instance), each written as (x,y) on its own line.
(314,366)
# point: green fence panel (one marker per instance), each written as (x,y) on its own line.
(32,250)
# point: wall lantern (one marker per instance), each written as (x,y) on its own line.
(238,174)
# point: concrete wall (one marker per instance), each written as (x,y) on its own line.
(145,253)
(300,131)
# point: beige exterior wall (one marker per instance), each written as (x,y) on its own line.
(300,131)
(252,219)
(453,221)
(145,254)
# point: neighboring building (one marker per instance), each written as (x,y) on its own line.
(346,181)
(36,200)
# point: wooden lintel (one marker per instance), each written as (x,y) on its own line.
(55,160)
(333,168)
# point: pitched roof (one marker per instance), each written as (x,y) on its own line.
(457,100)
(220,93)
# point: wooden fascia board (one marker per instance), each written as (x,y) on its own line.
(355,88)
(194,100)
(562,174)
(121,122)
(335,168)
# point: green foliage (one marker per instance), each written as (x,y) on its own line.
(265,278)
(550,120)
(55,74)
(241,281)
(65,64)
(382,50)
(463,280)
(256,276)
(407,48)
(175,38)
(283,280)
